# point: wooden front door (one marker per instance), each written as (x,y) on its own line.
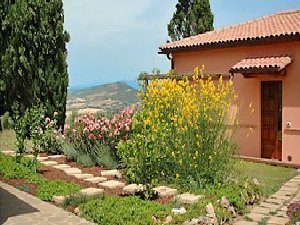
(271,100)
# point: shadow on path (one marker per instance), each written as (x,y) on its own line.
(11,206)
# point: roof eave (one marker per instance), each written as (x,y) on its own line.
(236,43)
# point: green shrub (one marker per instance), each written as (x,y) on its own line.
(85,160)
(47,189)
(13,170)
(69,151)
(130,211)
(105,156)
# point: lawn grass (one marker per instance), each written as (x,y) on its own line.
(270,177)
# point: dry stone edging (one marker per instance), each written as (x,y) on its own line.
(164,191)
(72,171)
(96,180)
(90,192)
(49,163)
(112,184)
(83,176)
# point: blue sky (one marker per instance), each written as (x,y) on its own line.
(113,40)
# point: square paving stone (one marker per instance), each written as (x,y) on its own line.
(49,163)
(262,210)
(96,180)
(275,201)
(280,214)
(112,184)
(92,191)
(277,220)
(256,217)
(83,176)
(270,206)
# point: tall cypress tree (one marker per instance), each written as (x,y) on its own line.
(191,17)
(33,64)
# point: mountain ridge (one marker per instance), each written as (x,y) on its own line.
(110,97)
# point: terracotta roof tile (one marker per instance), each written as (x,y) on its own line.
(285,23)
(267,63)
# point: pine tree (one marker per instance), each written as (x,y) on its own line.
(191,17)
(33,61)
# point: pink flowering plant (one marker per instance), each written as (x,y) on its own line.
(87,131)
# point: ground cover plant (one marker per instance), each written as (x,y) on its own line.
(180,135)
(131,211)
(45,189)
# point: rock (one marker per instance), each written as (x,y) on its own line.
(49,163)
(225,202)
(77,211)
(58,199)
(133,188)
(168,220)
(96,180)
(210,214)
(112,184)
(188,198)
(164,191)
(155,220)
(72,171)
(83,176)
(118,175)
(92,191)
(255,181)
(210,211)
(232,211)
(180,210)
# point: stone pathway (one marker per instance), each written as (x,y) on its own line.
(272,211)
(18,207)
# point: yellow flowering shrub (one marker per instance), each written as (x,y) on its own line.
(179,135)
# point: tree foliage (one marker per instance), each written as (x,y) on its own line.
(191,17)
(33,67)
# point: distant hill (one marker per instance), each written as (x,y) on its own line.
(111,97)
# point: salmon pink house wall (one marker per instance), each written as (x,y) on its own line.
(219,61)
(254,53)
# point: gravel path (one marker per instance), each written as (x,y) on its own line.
(18,207)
